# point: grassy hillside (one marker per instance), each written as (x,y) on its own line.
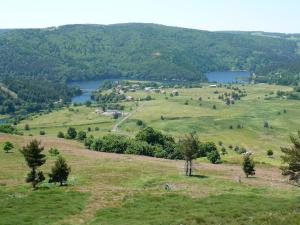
(146,51)
(124,189)
(251,112)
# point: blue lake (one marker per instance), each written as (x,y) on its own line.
(228,76)
(87,88)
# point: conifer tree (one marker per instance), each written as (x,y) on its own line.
(60,172)
(291,160)
(248,165)
(34,159)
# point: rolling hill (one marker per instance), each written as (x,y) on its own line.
(144,51)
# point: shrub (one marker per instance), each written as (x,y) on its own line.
(114,143)
(205,148)
(270,153)
(42,132)
(139,123)
(81,135)
(71,133)
(139,148)
(60,134)
(89,129)
(97,129)
(223,151)
(6,128)
(230,146)
(89,141)
(96,144)
(214,157)
(53,151)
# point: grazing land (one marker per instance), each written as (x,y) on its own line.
(185,113)
(121,189)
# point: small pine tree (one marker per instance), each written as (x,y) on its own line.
(248,166)
(34,159)
(291,160)
(8,146)
(59,172)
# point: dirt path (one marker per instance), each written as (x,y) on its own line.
(116,126)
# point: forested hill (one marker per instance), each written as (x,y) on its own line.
(145,51)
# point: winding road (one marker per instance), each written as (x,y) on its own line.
(116,126)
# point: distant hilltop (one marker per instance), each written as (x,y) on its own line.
(146,51)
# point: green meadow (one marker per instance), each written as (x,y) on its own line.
(106,188)
(125,189)
(251,112)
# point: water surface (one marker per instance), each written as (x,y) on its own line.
(87,88)
(228,77)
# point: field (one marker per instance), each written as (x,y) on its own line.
(251,112)
(124,189)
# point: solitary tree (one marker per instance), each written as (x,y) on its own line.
(291,159)
(189,147)
(60,172)
(72,133)
(34,159)
(8,146)
(248,165)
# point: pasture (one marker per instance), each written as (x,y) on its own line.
(125,189)
(186,113)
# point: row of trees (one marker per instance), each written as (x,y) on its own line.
(150,142)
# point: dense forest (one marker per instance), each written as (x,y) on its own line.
(35,64)
(145,51)
(23,95)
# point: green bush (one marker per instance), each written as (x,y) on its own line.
(81,135)
(53,151)
(71,133)
(60,134)
(214,157)
(139,148)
